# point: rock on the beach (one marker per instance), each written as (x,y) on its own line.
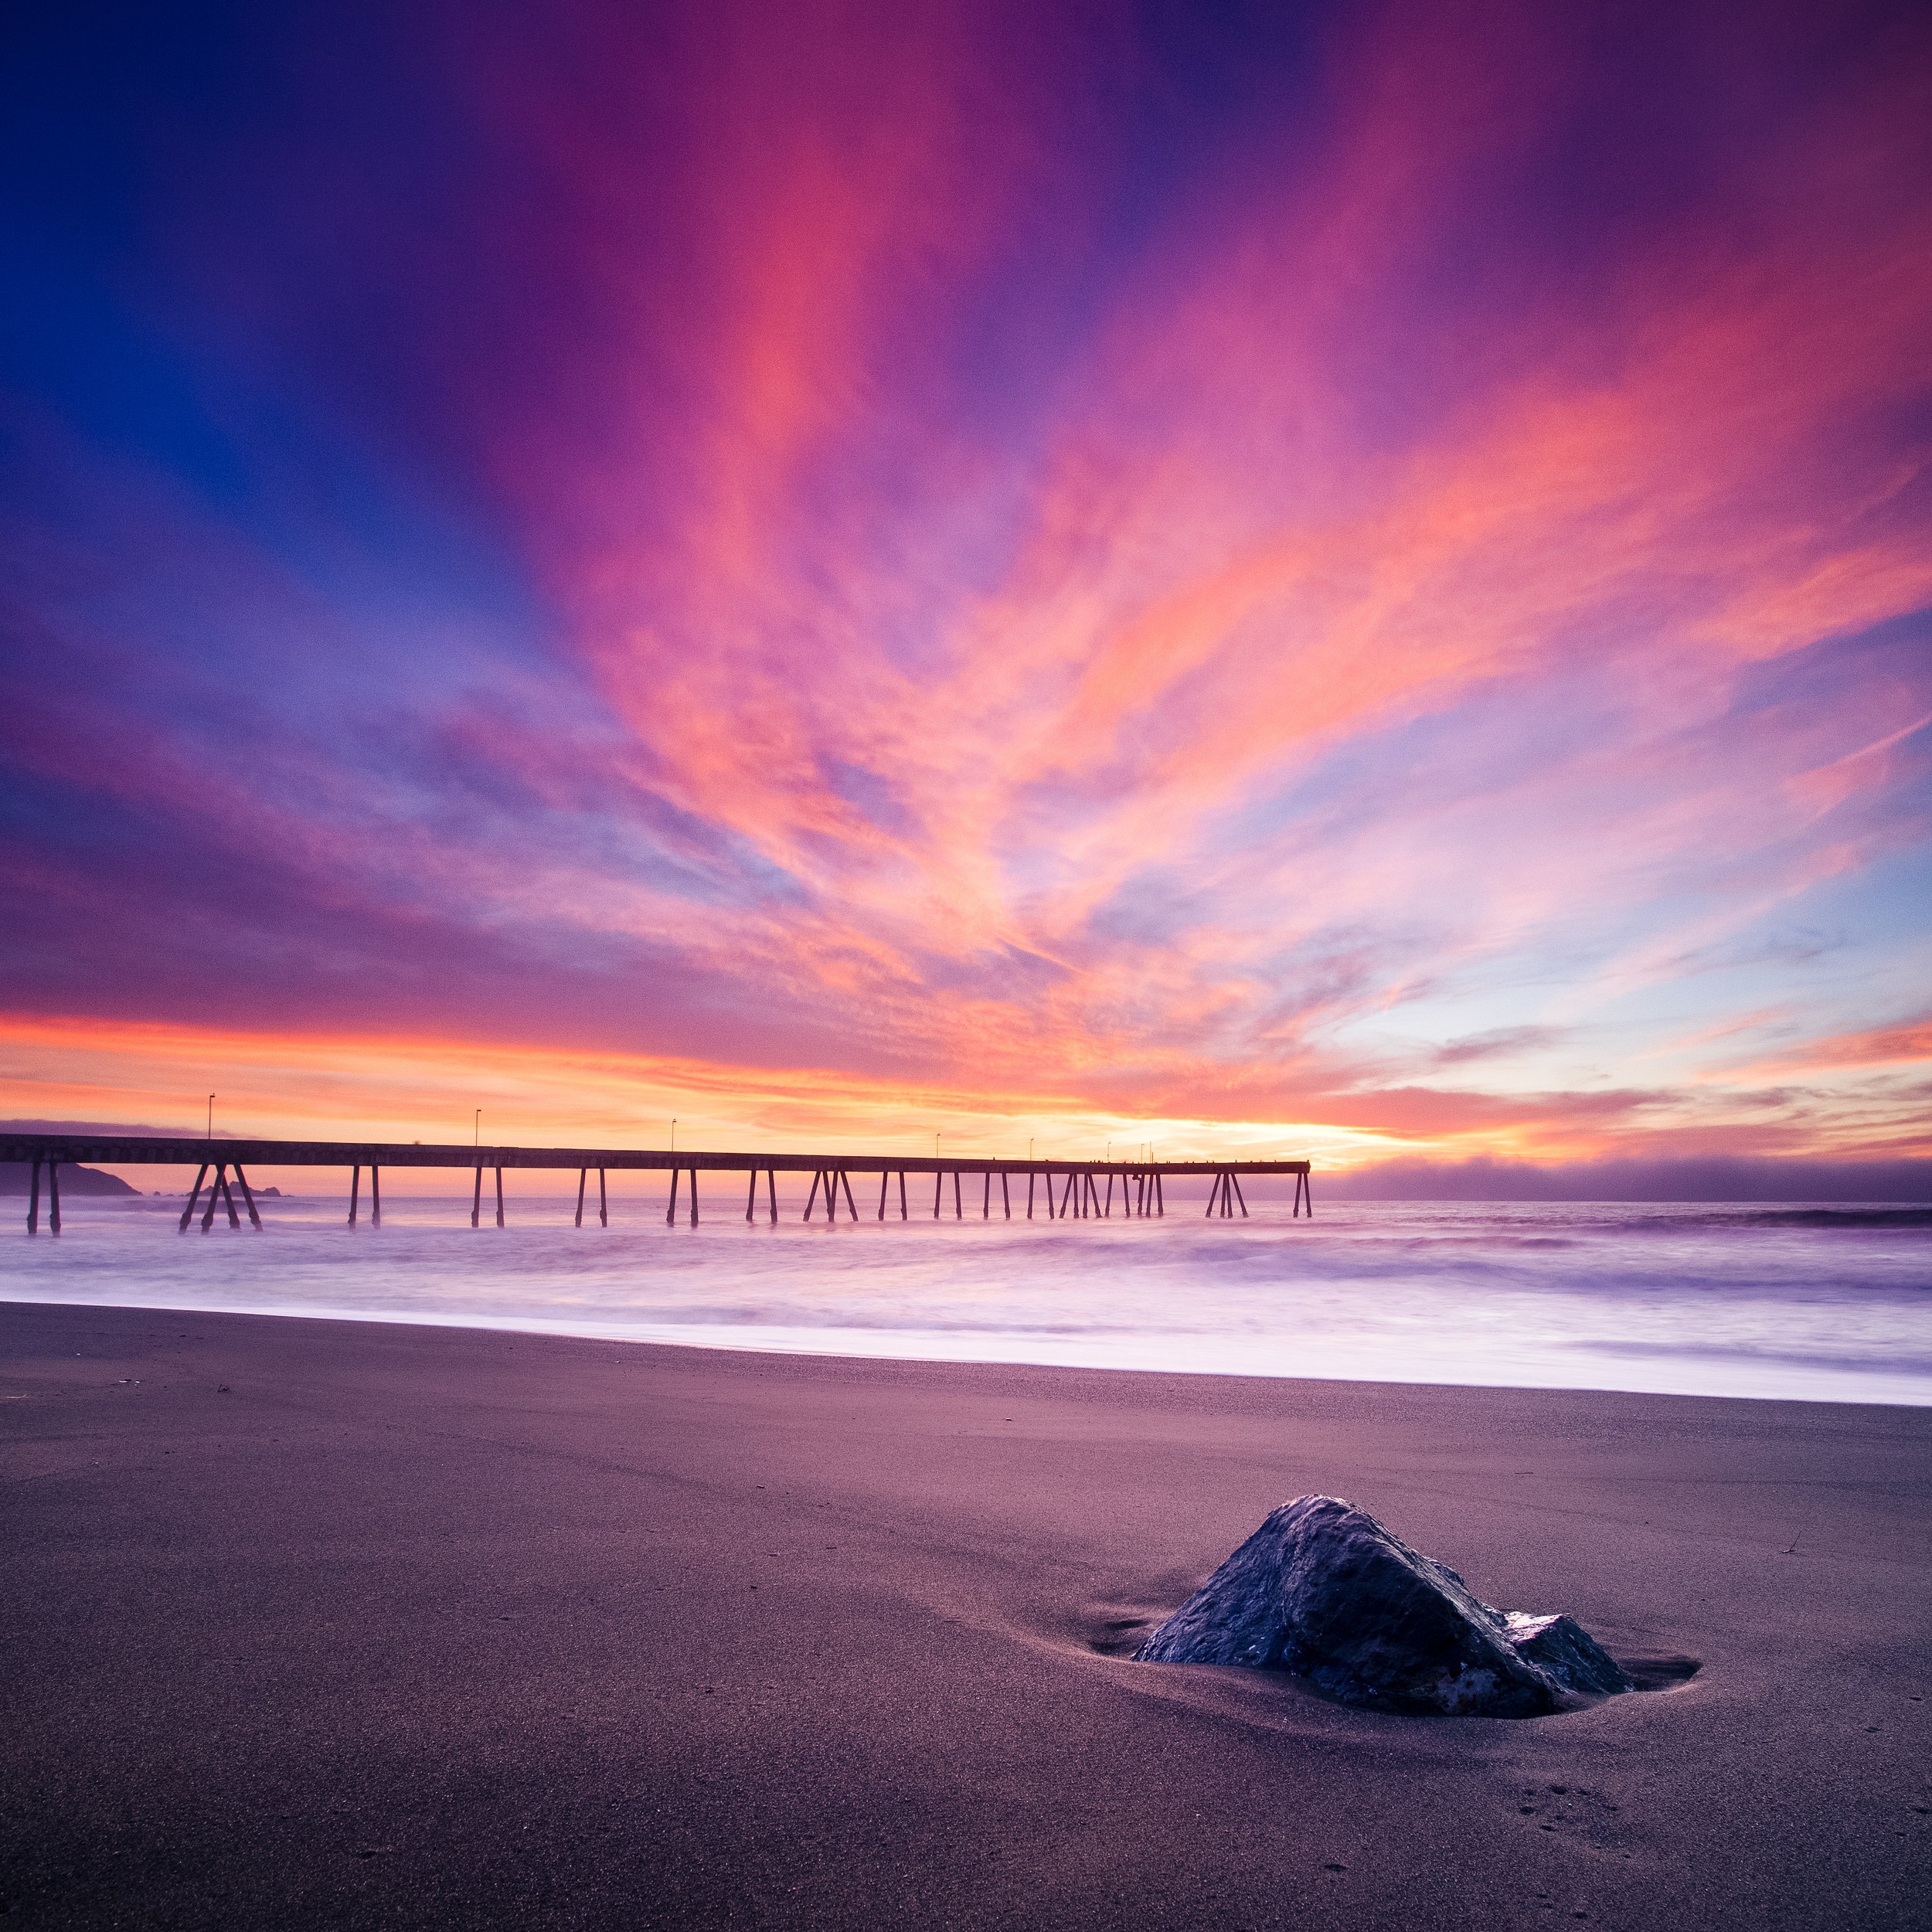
(1561,1648)
(1324,1590)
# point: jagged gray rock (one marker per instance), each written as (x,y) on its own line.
(1324,1590)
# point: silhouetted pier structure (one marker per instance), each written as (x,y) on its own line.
(1062,1190)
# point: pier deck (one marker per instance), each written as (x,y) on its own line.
(1077,1183)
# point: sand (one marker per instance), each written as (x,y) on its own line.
(419,1626)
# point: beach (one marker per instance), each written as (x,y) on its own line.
(371,1623)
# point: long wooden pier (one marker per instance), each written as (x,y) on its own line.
(1065,1190)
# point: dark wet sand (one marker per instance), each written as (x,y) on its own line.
(436,1627)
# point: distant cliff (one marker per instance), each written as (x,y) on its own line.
(73,1180)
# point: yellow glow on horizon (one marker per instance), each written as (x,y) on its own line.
(371,1087)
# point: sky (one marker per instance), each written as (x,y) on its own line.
(1352,581)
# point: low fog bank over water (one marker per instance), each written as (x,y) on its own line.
(1814,1300)
(1681,1180)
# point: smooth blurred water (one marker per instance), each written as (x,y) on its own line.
(1823,1302)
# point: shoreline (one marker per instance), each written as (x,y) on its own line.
(1847,1387)
(415,1625)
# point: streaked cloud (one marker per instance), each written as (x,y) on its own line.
(987,572)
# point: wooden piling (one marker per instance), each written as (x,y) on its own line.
(354,1191)
(248,1195)
(54,1197)
(499,1197)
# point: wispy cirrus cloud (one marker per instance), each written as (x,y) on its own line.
(1094,570)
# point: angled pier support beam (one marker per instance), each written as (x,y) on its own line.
(355,1193)
(584,1183)
(499,1197)
(33,1201)
(476,1200)
(671,1212)
(54,1197)
(603,1202)
(248,1195)
(375,1196)
(771,1192)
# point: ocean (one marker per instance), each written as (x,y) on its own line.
(1828,1303)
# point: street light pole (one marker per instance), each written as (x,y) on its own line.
(211,1117)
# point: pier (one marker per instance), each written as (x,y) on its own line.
(1055,1190)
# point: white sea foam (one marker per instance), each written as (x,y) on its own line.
(1823,1303)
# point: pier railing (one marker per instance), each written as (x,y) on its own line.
(1066,1190)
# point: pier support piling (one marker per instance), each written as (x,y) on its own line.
(248,1195)
(584,1185)
(499,1197)
(355,1192)
(33,1201)
(54,1197)
(476,1201)
(603,1202)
